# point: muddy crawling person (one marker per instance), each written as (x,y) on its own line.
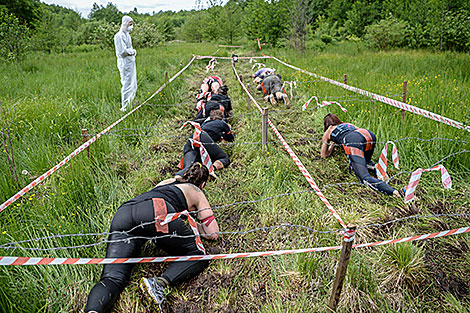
(260,74)
(359,145)
(272,89)
(212,131)
(137,222)
(216,101)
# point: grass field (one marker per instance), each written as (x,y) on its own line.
(58,95)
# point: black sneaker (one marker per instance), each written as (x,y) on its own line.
(153,291)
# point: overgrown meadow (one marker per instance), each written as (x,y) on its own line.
(53,96)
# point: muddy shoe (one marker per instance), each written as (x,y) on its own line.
(286,101)
(153,291)
(272,99)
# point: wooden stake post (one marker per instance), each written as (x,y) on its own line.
(345,79)
(85,138)
(342,267)
(405,92)
(264,128)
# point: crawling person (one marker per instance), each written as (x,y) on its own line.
(217,101)
(213,131)
(272,89)
(214,91)
(359,145)
(211,84)
(128,237)
(260,74)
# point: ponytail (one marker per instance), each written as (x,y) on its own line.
(196,175)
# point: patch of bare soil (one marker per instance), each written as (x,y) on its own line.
(440,259)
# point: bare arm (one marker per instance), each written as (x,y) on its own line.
(196,199)
(326,148)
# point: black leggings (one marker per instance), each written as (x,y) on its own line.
(192,155)
(359,164)
(116,276)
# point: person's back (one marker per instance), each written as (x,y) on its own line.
(217,130)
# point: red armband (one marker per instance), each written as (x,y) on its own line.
(208,220)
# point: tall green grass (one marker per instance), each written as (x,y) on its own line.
(61,94)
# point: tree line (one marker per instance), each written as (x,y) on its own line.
(304,24)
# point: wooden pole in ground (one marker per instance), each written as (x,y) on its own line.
(345,79)
(264,128)
(342,267)
(166,77)
(85,138)
(405,92)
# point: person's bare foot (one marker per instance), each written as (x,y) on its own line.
(286,101)
(272,99)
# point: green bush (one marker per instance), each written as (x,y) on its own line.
(387,33)
(14,37)
(146,35)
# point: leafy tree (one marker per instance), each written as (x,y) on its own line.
(387,33)
(110,13)
(14,37)
(146,35)
(230,21)
(192,30)
(300,15)
(268,21)
(27,11)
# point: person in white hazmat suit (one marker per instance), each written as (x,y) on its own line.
(126,62)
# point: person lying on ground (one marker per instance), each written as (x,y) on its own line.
(260,74)
(211,84)
(191,153)
(359,145)
(214,101)
(272,89)
(137,218)
(217,128)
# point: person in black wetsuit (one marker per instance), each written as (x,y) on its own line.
(169,196)
(359,146)
(214,101)
(213,130)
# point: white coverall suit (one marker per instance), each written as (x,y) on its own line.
(126,62)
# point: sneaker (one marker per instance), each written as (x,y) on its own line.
(402,192)
(151,288)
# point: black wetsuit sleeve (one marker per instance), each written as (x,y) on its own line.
(227,133)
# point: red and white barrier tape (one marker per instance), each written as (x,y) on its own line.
(416,176)
(173,216)
(8,260)
(38,180)
(395,103)
(381,168)
(259,65)
(211,65)
(200,57)
(323,104)
(205,157)
(292,84)
(349,235)
(293,156)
